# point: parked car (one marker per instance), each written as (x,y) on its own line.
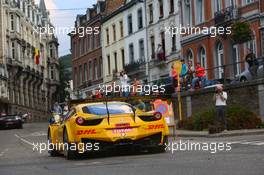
(247,76)
(11,121)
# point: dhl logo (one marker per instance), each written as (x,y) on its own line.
(159,126)
(87,131)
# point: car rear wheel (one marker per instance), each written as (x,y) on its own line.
(52,151)
(70,154)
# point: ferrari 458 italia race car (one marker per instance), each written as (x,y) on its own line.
(102,126)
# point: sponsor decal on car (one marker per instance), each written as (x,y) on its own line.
(158,126)
(86,132)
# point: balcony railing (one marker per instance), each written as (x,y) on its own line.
(135,66)
(226,15)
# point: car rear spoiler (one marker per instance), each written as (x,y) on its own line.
(120,99)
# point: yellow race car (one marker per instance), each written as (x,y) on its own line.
(101,126)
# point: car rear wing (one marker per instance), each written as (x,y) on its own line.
(120,99)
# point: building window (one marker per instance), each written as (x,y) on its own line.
(220,60)
(202,57)
(162,37)
(150,13)
(141,50)
(123,57)
(13,50)
(161,11)
(218,5)
(80,75)
(12,22)
(52,73)
(251,46)
(95,70)
(109,64)
(18,52)
(188,11)
(130,24)
(100,67)
(90,70)
(93,41)
(200,11)
(121,29)
(115,58)
(140,19)
(114,32)
(236,60)
(246,2)
(173,42)
(152,43)
(51,51)
(85,71)
(131,53)
(171,6)
(107,36)
(190,56)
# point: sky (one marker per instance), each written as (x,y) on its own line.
(66,18)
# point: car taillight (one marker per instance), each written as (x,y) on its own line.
(157,115)
(79,120)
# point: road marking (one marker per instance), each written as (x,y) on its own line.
(24,140)
(244,142)
(3,152)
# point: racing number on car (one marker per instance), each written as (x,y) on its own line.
(159,126)
(87,131)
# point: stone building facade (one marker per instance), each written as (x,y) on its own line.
(27,87)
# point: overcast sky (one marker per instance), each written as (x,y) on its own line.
(66,18)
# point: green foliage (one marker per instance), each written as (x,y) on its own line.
(237,118)
(65,77)
(241,32)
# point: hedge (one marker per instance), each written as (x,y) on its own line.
(237,118)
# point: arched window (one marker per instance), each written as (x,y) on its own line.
(189,56)
(220,60)
(202,57)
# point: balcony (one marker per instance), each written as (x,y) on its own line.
(136,67)
(225,16)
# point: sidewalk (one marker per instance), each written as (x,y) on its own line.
(185,133)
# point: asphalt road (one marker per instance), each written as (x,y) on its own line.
(17,157)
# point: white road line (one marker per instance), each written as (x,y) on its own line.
(3,152)
(244,142)
(24,140)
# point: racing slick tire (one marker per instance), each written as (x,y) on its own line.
(70,154)
(52,152)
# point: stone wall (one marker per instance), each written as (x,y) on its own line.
(249,95)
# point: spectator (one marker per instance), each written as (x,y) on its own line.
(124,84)
(190,71)
(135,85)
(200,76)
(141,105)
(252,64)
(174,76)
(160,53)
(183,73)
(56,108)
(220,98)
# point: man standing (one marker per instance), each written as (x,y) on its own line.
(220,98)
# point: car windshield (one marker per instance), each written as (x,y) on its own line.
(100,109)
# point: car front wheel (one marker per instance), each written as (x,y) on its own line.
(70,154)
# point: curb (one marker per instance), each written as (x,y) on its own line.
(223,134)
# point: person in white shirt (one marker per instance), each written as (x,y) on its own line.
(220,98)
(124,84)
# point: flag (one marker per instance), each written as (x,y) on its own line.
(37,56)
